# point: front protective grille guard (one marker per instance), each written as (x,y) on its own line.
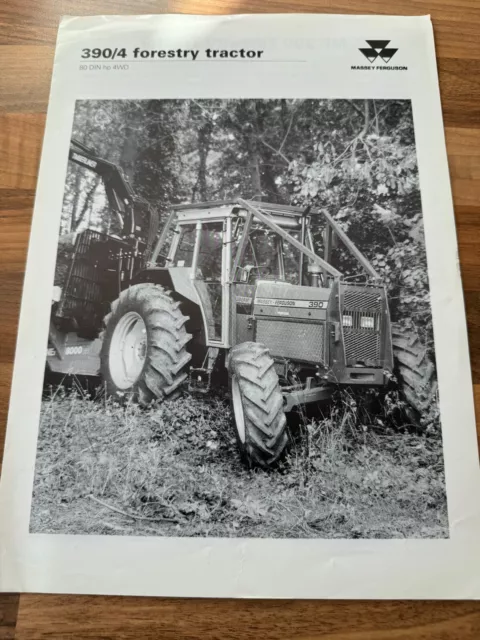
(354,293)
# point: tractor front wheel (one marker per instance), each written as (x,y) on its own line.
(257,405)
(144,345)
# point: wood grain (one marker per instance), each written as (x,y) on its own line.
(27,37)
(8,615)
(91,617)
(36,22)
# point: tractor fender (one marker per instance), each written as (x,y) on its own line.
(155,275)
(175,278)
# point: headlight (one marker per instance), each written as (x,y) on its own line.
(367,322)
(347,321)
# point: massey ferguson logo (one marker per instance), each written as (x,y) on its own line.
(378,49)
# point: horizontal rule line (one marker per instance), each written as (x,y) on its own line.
(99,60)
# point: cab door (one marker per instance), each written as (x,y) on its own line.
(210,277)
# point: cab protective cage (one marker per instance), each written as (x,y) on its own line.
(276,217)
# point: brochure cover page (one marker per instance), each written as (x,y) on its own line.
(242,363)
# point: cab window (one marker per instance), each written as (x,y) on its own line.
(186,245)
(269,257)
(209,265)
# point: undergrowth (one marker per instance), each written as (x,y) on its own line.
(173,470)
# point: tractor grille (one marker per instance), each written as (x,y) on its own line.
(361,345)
(362,305)
(292,340)
(357,299)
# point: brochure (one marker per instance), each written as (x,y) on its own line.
(242,364)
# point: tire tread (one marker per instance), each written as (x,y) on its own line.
(167,356)
(417,375)
(265,420)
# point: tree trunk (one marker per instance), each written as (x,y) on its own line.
(87,204)
(204,140)
(130,150)
(255,170)
(79,172)
(254,156)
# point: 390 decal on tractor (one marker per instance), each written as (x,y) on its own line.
(234,287)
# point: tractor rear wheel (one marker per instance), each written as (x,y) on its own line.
(417,376)
(144,345)
(257,405)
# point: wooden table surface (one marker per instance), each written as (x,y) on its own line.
(27,36)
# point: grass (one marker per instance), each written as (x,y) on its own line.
(174,470)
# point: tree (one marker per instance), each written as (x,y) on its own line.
(355,158)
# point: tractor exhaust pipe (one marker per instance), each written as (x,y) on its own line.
(314,271)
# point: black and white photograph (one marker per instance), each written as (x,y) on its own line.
(241,340)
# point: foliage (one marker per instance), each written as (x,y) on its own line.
(354,158)
(175,471)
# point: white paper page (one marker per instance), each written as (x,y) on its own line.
(273,398)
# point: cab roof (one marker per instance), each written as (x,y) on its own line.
(229,205)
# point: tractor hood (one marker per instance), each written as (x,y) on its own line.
(291,320)
(280,299)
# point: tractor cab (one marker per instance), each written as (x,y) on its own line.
(255,272)
(216,247)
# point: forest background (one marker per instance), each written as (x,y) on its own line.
(355,158)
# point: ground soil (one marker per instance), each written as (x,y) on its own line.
(174,470)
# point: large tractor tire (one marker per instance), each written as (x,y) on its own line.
(257,405)
(417,377)
(144,354)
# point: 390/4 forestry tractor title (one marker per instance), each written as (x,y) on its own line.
(233,287)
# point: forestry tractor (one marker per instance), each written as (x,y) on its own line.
(231,288)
